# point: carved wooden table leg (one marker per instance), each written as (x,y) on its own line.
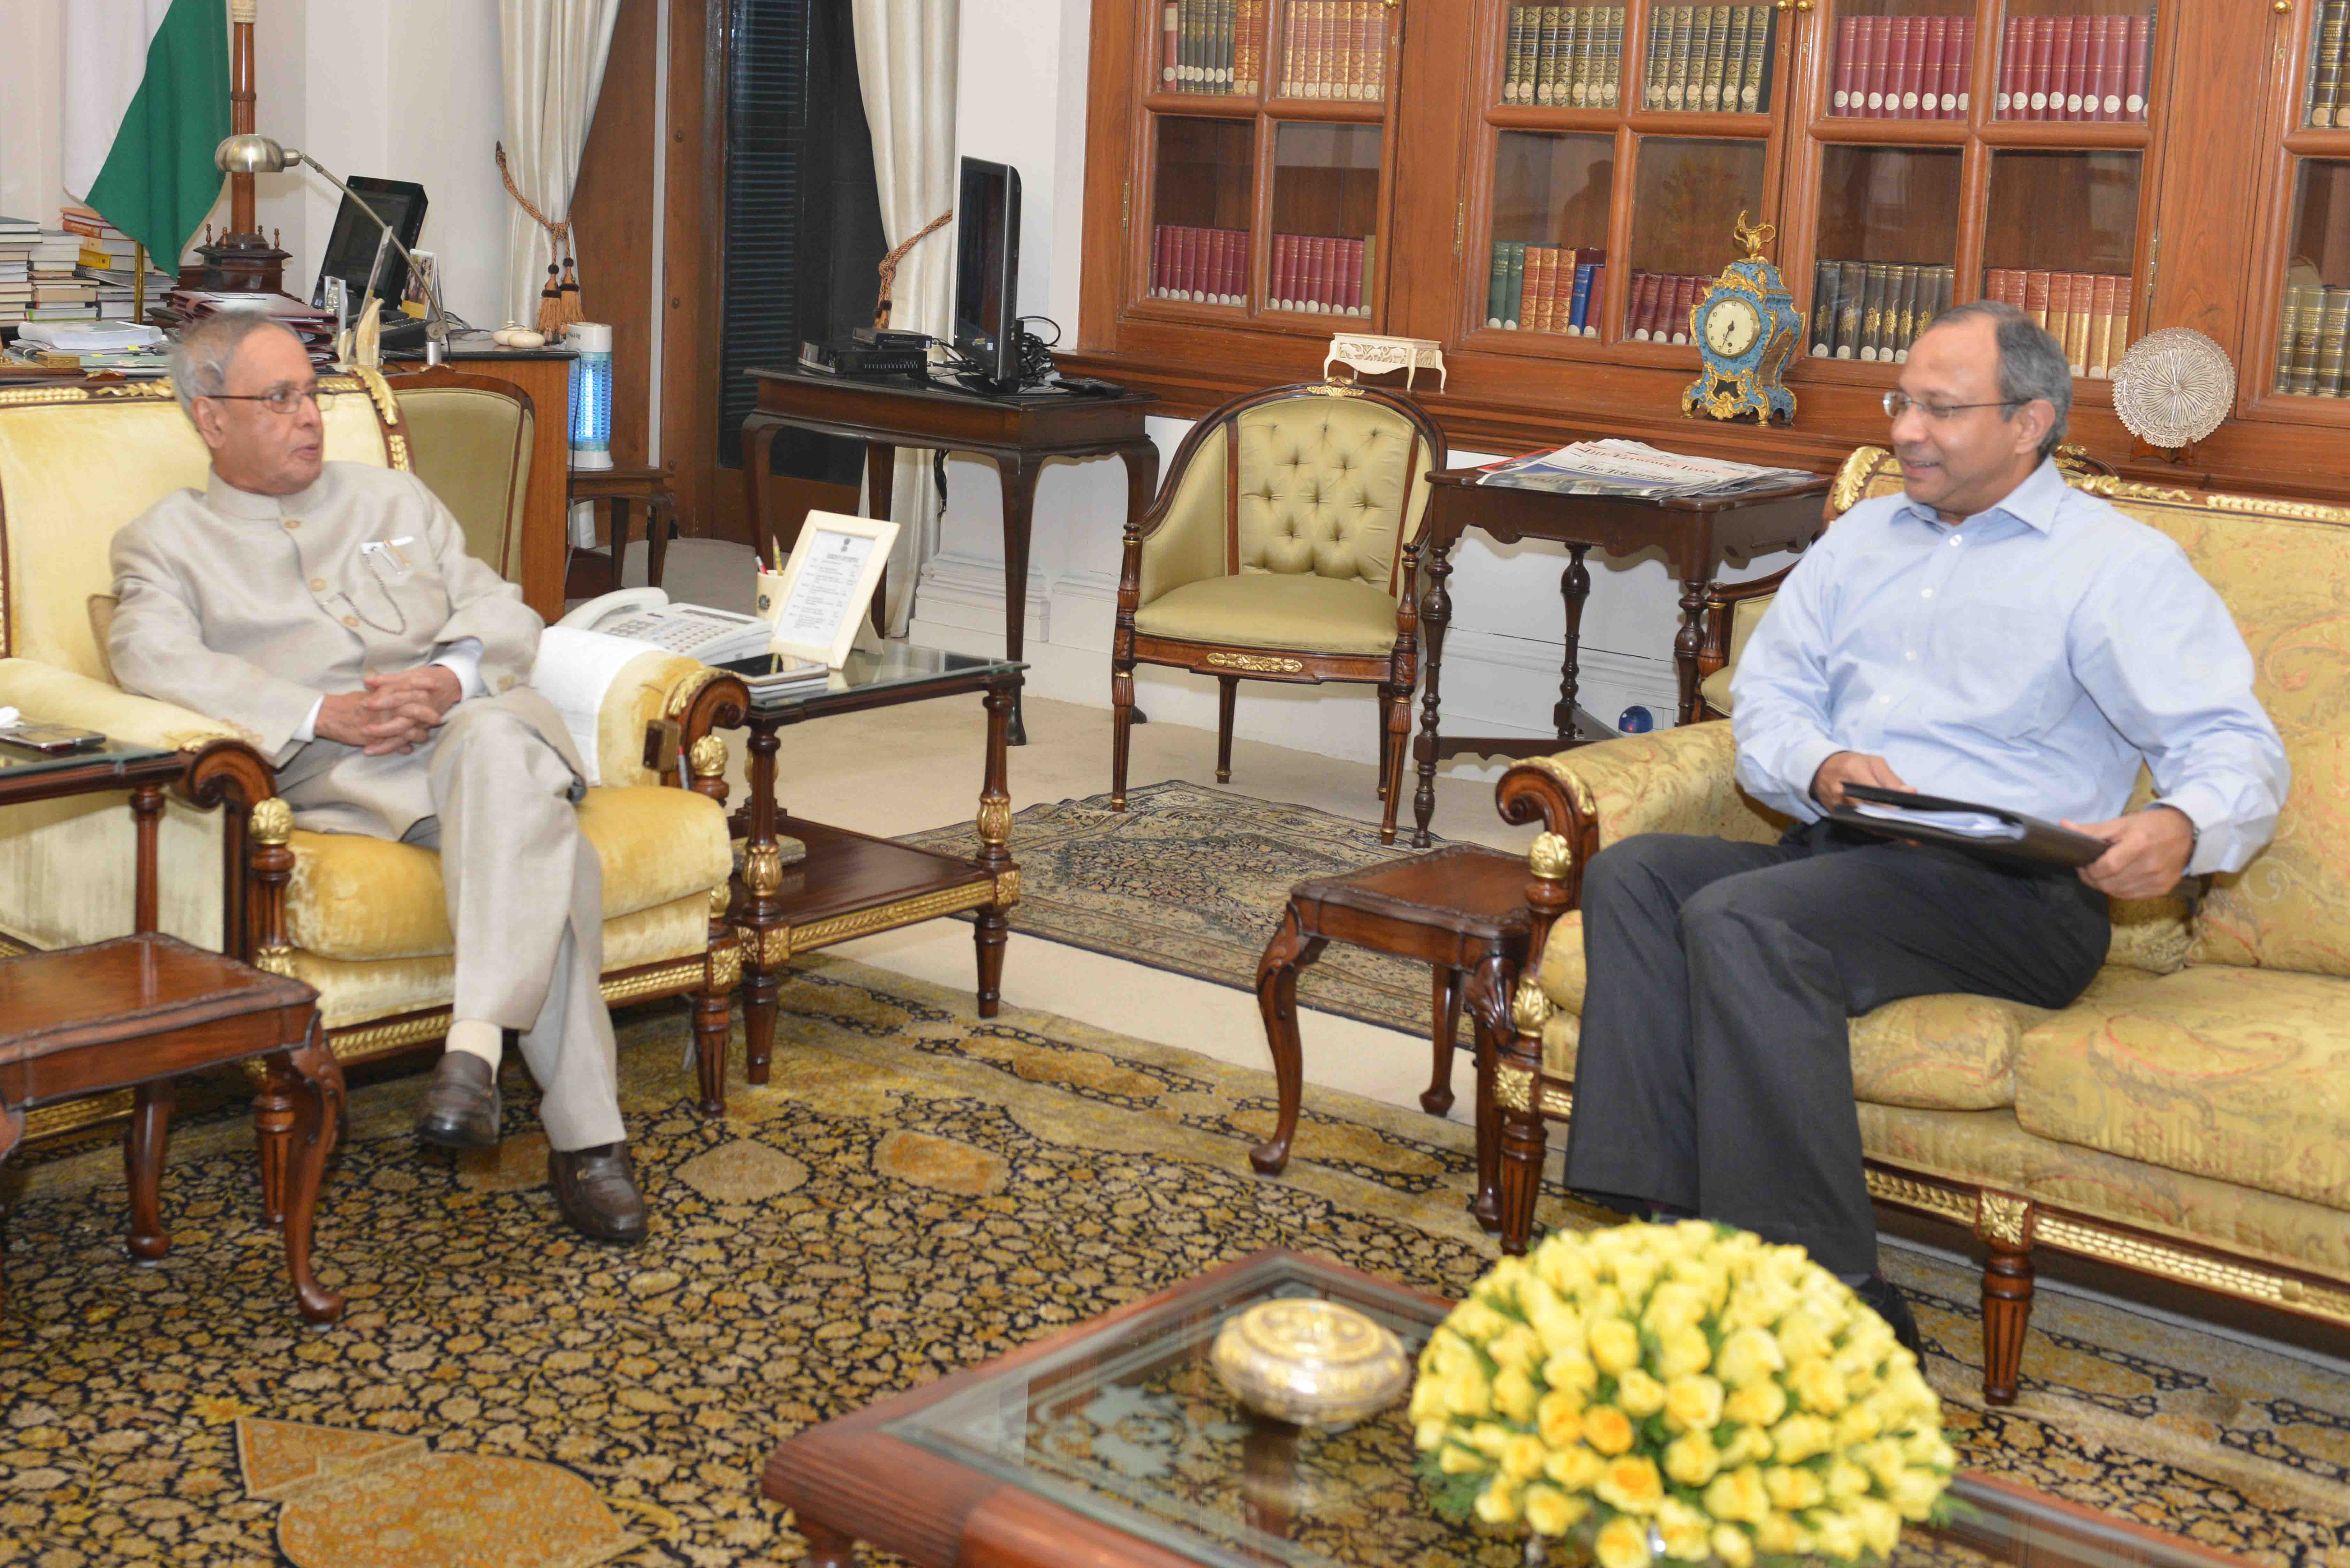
(620,504)
(1444,1007)
(758,442)
(1018,478)
(318,1106)
(2005,1222)
(762,871)
(143,1167)
(1685,644)
(993,921)
(1435,615)
(1290,951)
(1574,587)
(1516,1081)
(1486,1207)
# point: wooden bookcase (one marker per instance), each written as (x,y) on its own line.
(2203,204)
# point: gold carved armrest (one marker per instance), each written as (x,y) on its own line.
(658,706)
(56,696)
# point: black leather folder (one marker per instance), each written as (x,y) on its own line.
(2036,843)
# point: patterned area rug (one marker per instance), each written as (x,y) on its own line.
(917,1190)
(1194,879)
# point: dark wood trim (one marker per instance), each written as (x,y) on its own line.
(694,247)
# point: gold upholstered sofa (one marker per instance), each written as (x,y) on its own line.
(2189,1116)
(362,919)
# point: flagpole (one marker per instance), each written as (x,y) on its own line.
(138,281)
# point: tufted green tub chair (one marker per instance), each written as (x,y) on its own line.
(1284,546)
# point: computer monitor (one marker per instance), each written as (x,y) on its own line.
(987,271)
(350,248)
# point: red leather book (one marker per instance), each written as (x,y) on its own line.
(1929,78)
(2060,65)
(2011,70)
(1889,32)
(1598,293)
(1660,305)
(2112,40)
(2136,58)
(1179,277)
(1276,282)
(1375,50)
(2036,288)
(2060,312)
(2045,81)
(1848,49)
(1541,286)
(1158,260)
(1236,268)
(1692,289)
(1958,80)
(1212,265)
(1915,83)
(2080,66)
(1875,53)
(2105,290)
(1168,47)
(1350,297)
(1643,301)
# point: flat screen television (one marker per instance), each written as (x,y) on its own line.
(350,248)
(987,272)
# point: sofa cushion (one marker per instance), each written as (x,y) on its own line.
(2239,1074)
(357,898)
(1327,485)
(1297,610)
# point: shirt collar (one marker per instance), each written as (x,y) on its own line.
(2032,503)
(230,502)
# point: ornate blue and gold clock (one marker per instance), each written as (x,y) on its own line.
(1747,329)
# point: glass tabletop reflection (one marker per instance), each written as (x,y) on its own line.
(779,683)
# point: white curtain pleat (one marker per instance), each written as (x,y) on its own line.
(554,53)
(905,73)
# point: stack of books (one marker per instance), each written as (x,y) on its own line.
(2075,68)
(59,292)
(1563,57)
(1211,47)
(17,238)
(1903,67)
(1547,288)
(109,257)
(1205,266)
(1320,274)
(1661,303)
(1709,59)
(2329,106)
(1333,49)
(2309,341)
(2089,313)
(1873,311)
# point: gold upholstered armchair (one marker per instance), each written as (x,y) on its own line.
(469,438)
(362,919)
(1284,545)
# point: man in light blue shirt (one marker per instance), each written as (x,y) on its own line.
(1992,636)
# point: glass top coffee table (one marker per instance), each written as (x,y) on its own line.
(1112,1442)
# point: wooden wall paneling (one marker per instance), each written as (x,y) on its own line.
(612,224)
(2208,182)
(1116,197)
(694,239)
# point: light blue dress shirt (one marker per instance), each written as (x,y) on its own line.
(2030,657)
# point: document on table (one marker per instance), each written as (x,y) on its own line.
(824,593)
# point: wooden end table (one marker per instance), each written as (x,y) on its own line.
(619,488)
(1461,911)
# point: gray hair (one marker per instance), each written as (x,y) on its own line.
(200,360)
(2031,364)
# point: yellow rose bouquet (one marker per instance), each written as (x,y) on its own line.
(1685,1390)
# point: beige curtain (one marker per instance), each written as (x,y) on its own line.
(906,72)
(554,55)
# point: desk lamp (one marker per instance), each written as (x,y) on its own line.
(251,154)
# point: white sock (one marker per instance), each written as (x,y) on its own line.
(476,1038)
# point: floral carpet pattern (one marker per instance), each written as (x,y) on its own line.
(1194,881)
(917,1190)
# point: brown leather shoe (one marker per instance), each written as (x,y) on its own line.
(461,1109)
(595,1189)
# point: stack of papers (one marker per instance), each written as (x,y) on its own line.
(1632,468)
(1972,824)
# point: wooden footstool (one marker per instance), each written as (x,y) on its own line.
(1461,909)
(141,1011)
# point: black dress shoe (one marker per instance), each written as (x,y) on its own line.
(461,1109)
(1885,1297)
(597,1192)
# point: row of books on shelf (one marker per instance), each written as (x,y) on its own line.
(1320,274)
(1563,57)
(2089,313)
(1204,267)
(1903,67)
(1872,311)
(1330,49)
(2309,341)
(2329,106)
(1661,304)
(1210,46)
(1708,59)
(2075,68)
(1545,289)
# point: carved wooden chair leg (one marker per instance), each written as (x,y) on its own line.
(142,1169)
(1398,706)
(1290,951)
(1386,778)
(1121,704)
(713,1022)
(2004,1223)
(1444,1011)
(273,1131)
(1228,690)
(1512,1022)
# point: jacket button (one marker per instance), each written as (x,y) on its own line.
(317,585)
(293,523)
(351,621)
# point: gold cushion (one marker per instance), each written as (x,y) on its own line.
(1328,486)
(1683,780)
(354,898)
(1297,611)
(2234,1074)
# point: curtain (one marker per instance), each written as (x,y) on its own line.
(905,73)
(553,52)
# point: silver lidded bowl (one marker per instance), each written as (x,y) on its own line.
(1311,1362)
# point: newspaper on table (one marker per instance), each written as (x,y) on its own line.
(1631,468)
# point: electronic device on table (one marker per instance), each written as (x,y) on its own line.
(987,274)
(352,246)
(49,739)
(870,353)
(697,631)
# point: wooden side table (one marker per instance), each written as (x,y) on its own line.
(1461,911)
(619,489)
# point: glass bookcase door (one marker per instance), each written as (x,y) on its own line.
(1885,247)
(1325,213)
(1548,261)
(1687,192)
(1332,50)
(1203,176)
(2307,360)
(2074,60)
(1209,48)
(1900,59)
(2060,241)
(1709,59)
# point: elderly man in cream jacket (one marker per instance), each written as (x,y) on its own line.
(330,611)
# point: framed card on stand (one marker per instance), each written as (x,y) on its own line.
(827,583)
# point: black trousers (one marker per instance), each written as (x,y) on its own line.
(1715,1068)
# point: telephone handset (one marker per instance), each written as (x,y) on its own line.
(698,632)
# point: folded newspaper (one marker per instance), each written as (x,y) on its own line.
(1631,468)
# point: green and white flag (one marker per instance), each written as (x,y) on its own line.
(146,95)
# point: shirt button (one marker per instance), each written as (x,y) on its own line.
(317,585)
(292,522)
(1925,593)
(351,621)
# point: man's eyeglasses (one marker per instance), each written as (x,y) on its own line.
(280,399)
(1899,403)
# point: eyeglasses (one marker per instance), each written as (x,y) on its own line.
(281,399)
(1899,403)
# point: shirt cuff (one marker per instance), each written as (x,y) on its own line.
(2208,814)
(462,658)
(307,730)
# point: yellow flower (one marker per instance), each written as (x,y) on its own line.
(1883,1461)
(1928,1449)
(1562,1265)
(1915,1491)
(1733,1545)
(1577,1469)
(1516,1347)
(1466,1393)
(1834,1534)
(1456,1461)
(1803,1336)
(1847,1481)
(1781,1537)
(1680,1352)
(1475,1322)
(1427,1398)
(1514,1393)
(1498,1503)
(1614,1346)
(1640,1394)
(1879,1525)
(1692,1403)
(1691,1458)
(1749,1355)
(1635,1273)
(1857,1425)
(1738,1494)
(1559,1417)
(1756,1405)
(1673,1306)
(1746,1443)
(1427,1435)
(1559,1328)
(1631,1485)
(1798,1437)
(1623,1543)
(1606,1429)
(1820,1388)
(1757,1303)
(1572,1369)
(1489,1437)
(1550,1512)
(1792,1489)
(1688,1533)
(1522,1457)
